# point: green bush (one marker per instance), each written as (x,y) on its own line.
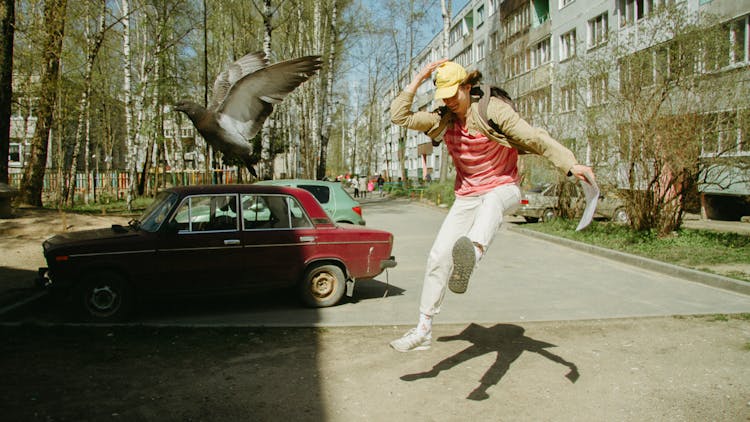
(440,192)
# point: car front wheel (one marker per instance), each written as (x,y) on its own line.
(104,296)
(323,285)
(620,216)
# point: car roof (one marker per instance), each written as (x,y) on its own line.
(313,207)
(284,182)
(231,188)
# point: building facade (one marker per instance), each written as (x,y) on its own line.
(529,47)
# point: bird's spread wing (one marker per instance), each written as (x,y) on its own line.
(246,64)
(250,100)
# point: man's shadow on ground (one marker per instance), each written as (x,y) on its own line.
(507,340)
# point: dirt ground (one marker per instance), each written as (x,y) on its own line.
(649,369)
(646,369)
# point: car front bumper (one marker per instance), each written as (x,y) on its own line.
(43,278)
(388,263)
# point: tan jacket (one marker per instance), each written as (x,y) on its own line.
(515,132)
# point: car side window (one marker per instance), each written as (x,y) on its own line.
(202,213)
(272,212)
(299,216)
(321,193)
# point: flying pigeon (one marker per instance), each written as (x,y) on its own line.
(243,97)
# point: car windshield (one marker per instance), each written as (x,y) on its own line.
(156,213)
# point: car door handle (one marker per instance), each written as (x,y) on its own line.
(307,239)
(229,242)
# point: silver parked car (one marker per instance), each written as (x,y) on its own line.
(541,203)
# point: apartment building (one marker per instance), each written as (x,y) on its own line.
(528,47)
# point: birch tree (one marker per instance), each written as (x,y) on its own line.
(93,44)
(445,7)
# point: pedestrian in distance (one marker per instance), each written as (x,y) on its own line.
(485,157)
(363,186)
(381,182)
(355,185)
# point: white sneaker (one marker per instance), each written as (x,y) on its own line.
(412,340)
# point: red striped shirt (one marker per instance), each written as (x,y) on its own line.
(481,164)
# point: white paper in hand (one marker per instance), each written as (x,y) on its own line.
(591,192)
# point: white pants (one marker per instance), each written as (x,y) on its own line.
(478,218)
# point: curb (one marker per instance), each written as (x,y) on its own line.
(709,279)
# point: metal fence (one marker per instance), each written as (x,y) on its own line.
(115,184)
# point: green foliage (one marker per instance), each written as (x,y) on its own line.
(686,247)
(119,207)
(720,318)
(441,192)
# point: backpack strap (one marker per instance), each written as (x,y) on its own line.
(484,101)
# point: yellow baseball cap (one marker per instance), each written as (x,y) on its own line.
(448,77)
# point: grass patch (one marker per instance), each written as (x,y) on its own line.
(688,248)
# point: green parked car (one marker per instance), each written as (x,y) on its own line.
(335,200)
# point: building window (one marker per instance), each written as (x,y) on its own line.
(456,33)
(480,53)
(598,89)
(564,3)
(14,153)
(480,16)
(543,100)
(540,53)
(725,133)
(739,39)
(493,6)
(632,11)
(568,98)
(464,57)
(568,45)
(517,21)
(597,31)
(494,41)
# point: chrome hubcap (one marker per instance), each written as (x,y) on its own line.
(103,298)
(323,285)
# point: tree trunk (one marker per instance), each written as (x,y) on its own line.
(328,99)
(33,175)
(266,170)
(82,133)
(7,23)
(446,9)
(130,142)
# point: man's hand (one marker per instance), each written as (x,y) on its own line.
(583,172)
(424,74)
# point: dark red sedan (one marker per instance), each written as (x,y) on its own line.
(218,238)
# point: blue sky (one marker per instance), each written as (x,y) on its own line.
(434,19)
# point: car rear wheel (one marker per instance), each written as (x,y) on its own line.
(620,216)
(548,215)
(104,296)
(323,285)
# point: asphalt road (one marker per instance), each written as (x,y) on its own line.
(520,279)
